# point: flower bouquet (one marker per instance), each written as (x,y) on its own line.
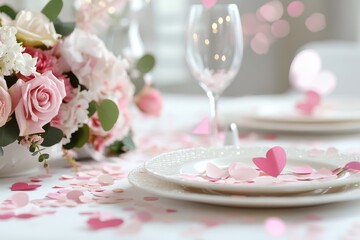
(61,85)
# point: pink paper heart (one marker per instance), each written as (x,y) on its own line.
(97,223)
(23,186)
(203,128)
(353,166)
(312,100)
(273,163)
(20,199)
(303,170)
(74,195)
(213,171)
(239,172)
(209,3)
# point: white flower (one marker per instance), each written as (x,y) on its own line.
(34,29)
(12,60)
(74,114)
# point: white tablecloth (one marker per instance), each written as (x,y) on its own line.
(147,217)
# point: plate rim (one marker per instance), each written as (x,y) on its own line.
(248,201)
(247,188)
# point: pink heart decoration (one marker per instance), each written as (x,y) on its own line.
(75,195)
(7,215)
(203,128)
(209,3)
(353,166)
(97,223)
(273,163)
(239,172)
(23,186)
(312,100)
(213,171)
(20,199)
(303,170)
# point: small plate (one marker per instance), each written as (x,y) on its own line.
(281,108)
(177,166)
(146,182)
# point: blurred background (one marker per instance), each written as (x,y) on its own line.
(274,31)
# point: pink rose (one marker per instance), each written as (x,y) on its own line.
(36,102)
(5,102)
(150,101)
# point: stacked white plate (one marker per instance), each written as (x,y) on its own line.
(278,113)
(164,176)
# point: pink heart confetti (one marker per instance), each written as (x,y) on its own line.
(203,128)
(275,226)
(23,186)
(20,199)
(273,163)
(74,195)
(209,3)
(213,171)
(353,166)
(303,170)
(308,106)
(7,215)
(97,223)
(239,172)
(106,179)
(151,198)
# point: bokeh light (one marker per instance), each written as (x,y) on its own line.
(260,44)
(295,8)
(271,11)
(280,28)
(316,22)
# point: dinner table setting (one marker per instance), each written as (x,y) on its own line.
(91,149)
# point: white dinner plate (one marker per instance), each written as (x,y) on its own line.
(146,182)
(177,166)
(278,113)
(281,108)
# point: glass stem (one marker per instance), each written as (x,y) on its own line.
(214,118)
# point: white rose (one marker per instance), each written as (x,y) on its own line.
(35,29)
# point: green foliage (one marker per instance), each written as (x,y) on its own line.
(139,84)
(9,132)
(108,113)
(64,28)
(145,63)
(8,11)
(52,9)
(120,147)
(92,108)
(43,157)
(79,138)
(51,136)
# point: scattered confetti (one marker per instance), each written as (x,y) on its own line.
(355,165)
(97,223)
(23,186)
(213,171)
(20,199)
(151,198)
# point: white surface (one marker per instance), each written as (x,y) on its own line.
(174,165)
(336,221)
(146,182)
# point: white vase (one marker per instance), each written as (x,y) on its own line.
(17,160)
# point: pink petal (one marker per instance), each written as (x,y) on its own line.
(212,171)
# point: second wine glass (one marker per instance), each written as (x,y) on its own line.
(214,49)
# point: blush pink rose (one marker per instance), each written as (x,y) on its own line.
(5,102)
(149,101)
(36,102)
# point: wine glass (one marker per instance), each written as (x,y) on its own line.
(214,49)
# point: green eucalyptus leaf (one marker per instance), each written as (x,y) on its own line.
(139,85)
(9,132)
(8,11)
(129,143)
(52,9)
(79,138)
(108,113)
(64,28)
(92,108)
(74,81)
(146,63)
(51,136)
